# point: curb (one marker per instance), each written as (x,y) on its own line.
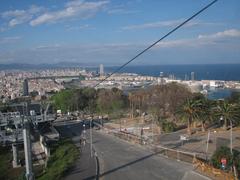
(97,167)
(97,164)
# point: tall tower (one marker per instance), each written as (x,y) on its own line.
(101,70)
(161,74)
(25,87)
(192,76)
(161,78)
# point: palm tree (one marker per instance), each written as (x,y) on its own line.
(205,112)
(190,111)
(227,111)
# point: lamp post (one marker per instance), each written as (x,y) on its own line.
(27,150)
(91,136)
(231,134)
(231,149)
(208,137)
(221,119)
(152,129)
(231,137)
(84,131)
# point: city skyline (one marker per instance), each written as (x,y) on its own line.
(112,32)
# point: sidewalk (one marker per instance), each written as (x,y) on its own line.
(85,167)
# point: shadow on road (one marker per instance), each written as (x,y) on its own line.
(128,164)
(84,168)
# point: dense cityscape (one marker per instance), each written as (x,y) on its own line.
(12,81)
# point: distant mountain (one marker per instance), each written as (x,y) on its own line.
(19,66)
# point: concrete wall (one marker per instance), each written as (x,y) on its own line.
(44,146)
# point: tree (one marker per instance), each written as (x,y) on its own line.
(234,98)
(34,94)
(176,94)
(90,96)
(103,103)
(227,111)
(83,99)
(138,101)
(63,100)
(168,126)
(161,101)
(111,101)
(205,112)
(190,111)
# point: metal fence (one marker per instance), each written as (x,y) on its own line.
(175,154)
(193,158)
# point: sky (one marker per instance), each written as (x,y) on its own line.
(111,32)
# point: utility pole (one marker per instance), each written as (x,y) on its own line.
(152,130)
(231,149)
(120,124)
(15,155)
(91,136)
(27,145)
(231,138)
(15,151)
(27,151)
(208,137)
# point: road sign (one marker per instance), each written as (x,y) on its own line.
(224,161)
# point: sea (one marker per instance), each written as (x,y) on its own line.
(225,72)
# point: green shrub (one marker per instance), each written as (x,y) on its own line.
(168,126)
(224,152)
(61,160)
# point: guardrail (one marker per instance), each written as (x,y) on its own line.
(189,157)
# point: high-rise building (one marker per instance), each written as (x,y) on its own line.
(25,87)
(101,70)
(192,76)
(161,74)
(161,78)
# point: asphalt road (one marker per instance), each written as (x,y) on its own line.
(122,160)
(85,166)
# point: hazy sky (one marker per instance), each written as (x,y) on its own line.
(113,31)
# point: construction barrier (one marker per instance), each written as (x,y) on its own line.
(210,171)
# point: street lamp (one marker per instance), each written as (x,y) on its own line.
(231,148)
(231,137)
(84,131)
(152,129)
(91,136)
(208,138)
(231,133)
(221,119)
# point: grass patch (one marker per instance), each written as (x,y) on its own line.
(62,158)
(6,170)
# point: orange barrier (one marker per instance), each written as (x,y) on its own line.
(210,171)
